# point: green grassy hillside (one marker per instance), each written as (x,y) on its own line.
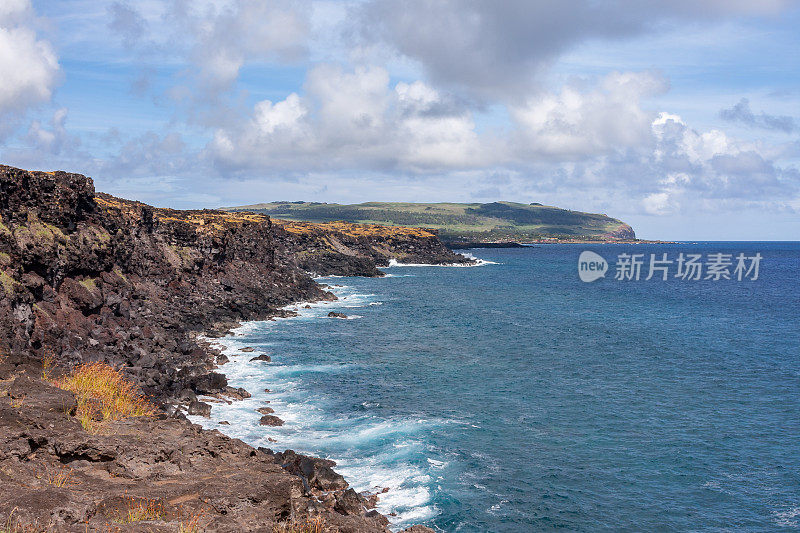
(460,223)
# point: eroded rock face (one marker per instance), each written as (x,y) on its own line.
(88,277)
(358,250)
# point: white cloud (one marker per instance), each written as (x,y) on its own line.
(576,124)
(350,106)
(657,203)
(351,119)
(14,11)
(28,66)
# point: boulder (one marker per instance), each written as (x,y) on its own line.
(349,503)
(200,408)
(236,393)
(263,357)
(210,383)
(334,314)
(270,420)
(318,472)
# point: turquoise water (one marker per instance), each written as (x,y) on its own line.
(514,397)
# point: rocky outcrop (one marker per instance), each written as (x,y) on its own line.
(346,249)
(88,277)
(57,477)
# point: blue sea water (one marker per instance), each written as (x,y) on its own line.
(513,397)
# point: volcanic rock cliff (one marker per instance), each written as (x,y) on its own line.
(88,277)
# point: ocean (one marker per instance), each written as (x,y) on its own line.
(514,397)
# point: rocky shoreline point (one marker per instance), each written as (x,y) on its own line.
(86,277)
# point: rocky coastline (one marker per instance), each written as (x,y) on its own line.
(87,277)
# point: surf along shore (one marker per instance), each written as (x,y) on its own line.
(104,307)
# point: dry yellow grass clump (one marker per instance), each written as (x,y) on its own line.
(309,525)
(103,393)
(141,511)
(353,230)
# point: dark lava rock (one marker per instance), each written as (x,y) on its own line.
(318,472)
(248,349)
(265,410)
(187,396)
(380,519)
(349,503)
(370,499)
(185,470)
(236,394)
(334,314)
(211,383)
(418,529)
(199,408)
(270,420)
(262,357)
(36,394)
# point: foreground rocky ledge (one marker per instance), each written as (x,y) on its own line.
(88,277)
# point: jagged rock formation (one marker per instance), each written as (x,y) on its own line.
(88,277)
(343,248)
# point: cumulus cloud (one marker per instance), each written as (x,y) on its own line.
(351,119)
(498,48)
(578,123)
(742,114)
(28,65)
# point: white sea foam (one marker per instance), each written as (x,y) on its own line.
(372,453)
(478,262)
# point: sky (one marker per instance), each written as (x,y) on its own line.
(681,118)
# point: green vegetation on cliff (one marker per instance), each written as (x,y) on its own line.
(460,223)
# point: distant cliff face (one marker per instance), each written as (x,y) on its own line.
(458,224)
(623,233)
(87,276)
